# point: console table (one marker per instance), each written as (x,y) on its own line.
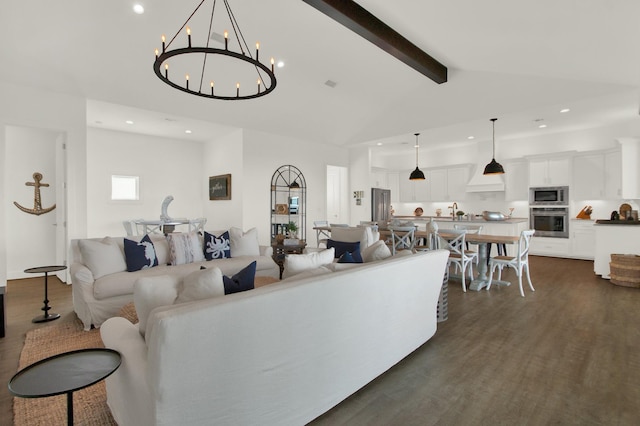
(280,251)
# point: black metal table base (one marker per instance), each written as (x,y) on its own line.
(45,269)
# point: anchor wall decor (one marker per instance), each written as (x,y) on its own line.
(37,202)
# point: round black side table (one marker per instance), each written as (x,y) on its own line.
(39,270)
(65,373)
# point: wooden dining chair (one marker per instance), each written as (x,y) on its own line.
(459,256)
(519,262)
(402,238)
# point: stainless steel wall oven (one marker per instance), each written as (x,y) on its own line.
(550,221)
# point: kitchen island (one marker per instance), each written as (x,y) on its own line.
(614,237)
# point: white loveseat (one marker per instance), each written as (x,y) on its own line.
(281,354)
(95,300)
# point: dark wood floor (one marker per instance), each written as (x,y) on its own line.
(567,354)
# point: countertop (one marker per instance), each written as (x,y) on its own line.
(617,222)
(450,219)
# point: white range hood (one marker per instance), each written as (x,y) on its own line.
(485,183)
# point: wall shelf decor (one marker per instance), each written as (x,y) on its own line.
(288,202)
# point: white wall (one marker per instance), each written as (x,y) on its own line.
(32,238)
(32,107)
(360,180)
(222,156)
(263,154)
(165,167)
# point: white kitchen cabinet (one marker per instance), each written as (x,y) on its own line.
(457,178)
(449,184)
(516,181)
(588,177)
(545,246)
(583,239)
(613,175)
(393,181)
(413,190)
(379,179)
(610,239)
(549,171)
(597,176)
(439,185)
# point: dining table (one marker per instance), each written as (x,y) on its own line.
(482,240)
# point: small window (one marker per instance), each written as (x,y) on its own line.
(125,188)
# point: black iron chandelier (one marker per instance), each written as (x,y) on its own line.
(213,65)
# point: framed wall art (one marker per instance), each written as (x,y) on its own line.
(220,187)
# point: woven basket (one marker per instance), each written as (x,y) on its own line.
(625,270)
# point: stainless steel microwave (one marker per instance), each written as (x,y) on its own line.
(549,196)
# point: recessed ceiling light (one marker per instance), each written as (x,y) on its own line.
(565,110)
(188,131)
(542,126)
(379,144)
(280,64)
(138,8)
(129,122)
(471,137)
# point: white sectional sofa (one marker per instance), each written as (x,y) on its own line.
(95,300)
(281,354)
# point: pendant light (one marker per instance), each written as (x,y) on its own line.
(417,173)
(494,168)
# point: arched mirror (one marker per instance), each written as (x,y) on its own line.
(288,204)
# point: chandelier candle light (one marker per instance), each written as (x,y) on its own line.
(266,79)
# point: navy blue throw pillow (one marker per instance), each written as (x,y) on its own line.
(140,255)
(349,257)
(342,247)
(217,247)
(242,281)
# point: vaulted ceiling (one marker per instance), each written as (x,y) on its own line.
(519,61)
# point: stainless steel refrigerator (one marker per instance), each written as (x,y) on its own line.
(380,205)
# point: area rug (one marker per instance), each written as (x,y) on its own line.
(90,404)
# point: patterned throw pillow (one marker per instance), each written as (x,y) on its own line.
(185,248)
(140,255)
(217,247)
(242,281)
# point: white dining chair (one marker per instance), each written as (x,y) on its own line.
(131,227)
(197,225)
(471,229)
(322,235)
(402,238)
(459,256)
(519,262)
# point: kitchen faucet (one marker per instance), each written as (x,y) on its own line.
(453,208)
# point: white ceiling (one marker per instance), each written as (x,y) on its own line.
(518,61)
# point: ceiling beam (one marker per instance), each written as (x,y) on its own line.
(362,22)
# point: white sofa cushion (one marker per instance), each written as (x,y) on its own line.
(363,234)
(320,270)
(200,285)
(102,257)
(185,248)
(376,251)
(297,263)
(244,243)
(152,292)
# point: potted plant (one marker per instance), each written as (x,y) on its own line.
(292,229)
(459,213)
